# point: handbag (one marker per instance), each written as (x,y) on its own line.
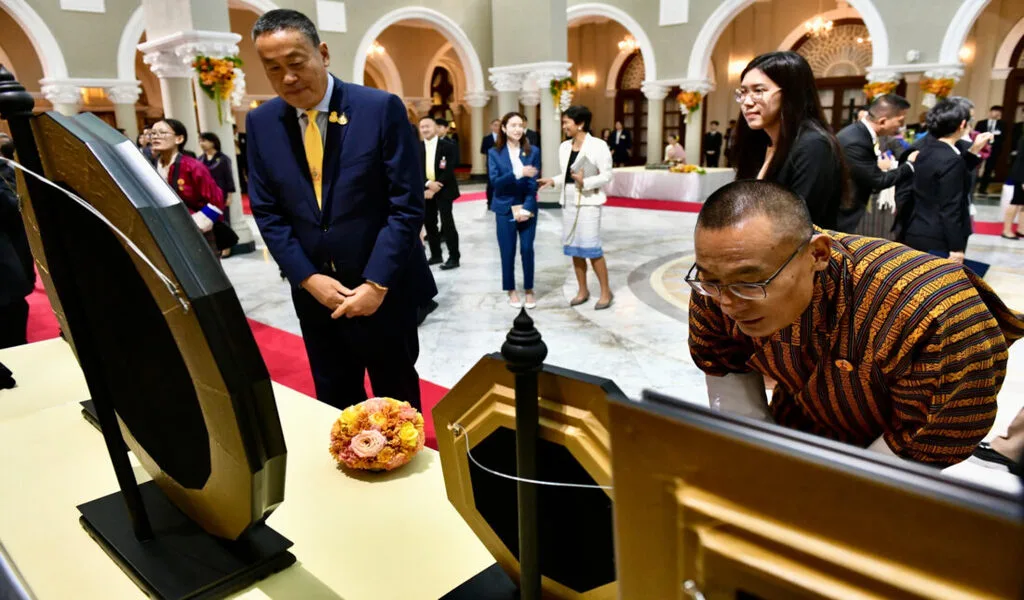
(224,237)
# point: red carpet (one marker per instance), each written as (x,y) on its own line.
(283,353)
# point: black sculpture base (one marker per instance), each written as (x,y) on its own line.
(182,561)
(490,584)
(245,248)
(548,205)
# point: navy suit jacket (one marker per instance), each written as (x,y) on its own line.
(508,190)
(372,194)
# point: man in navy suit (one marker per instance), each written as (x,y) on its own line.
(336,187)
(486,144)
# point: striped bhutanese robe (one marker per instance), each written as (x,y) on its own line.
(895,343)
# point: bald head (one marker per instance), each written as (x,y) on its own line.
(732,204)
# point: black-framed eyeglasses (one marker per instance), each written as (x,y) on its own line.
(746,291)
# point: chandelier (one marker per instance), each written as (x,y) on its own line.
(628,44)
(375,49)
(818,26)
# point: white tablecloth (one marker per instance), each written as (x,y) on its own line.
(644,184)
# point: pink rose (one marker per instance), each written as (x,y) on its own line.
(407,414)
(368,443)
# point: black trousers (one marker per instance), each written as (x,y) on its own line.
(342,351)
(986,173)
(711,160)
(849,220)
(13,323)
(442,208)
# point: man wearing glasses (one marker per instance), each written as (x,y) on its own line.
(870,343)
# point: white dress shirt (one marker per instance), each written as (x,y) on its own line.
(324,108)
(513,157)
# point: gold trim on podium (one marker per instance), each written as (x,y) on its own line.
(573,414)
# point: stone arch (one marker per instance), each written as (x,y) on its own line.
(800,31)
(136,26)
(1006,49)
(388,71)
(596,9)
(707,38)
(454,69)
(47,49)
(956,33)
(449,28)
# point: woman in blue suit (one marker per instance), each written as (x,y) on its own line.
(512,167)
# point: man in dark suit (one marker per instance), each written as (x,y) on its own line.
(712,145)
(485,145)
(869,170)
(440,191)
(17,271)
(533,137)
(445,133)
(728,142)
(336,188)
(622,143)
(997,128)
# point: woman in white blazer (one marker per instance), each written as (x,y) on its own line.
(586,164)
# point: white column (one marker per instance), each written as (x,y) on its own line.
(65,97)
(175,87)
(508,85)
(124,98)
(655,94)
(693,122)
(477,100)
(530,99)
(551,131)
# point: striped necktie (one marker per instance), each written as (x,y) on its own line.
(314,154)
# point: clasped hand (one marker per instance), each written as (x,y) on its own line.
(363,301)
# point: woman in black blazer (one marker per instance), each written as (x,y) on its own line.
(1015,178)
(783,136)
(939,216)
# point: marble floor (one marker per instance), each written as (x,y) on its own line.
(640,342)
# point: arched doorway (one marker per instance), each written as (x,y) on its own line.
(631,106)
(29,50)
(840,59)
(1013,106)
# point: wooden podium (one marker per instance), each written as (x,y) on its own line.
(709,505)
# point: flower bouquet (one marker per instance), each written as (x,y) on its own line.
(562,91)
(689,102)
(379,434)
(684,168)
(874,89)
(217,78)
(936,89)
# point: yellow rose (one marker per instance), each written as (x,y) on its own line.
(409,435)
(379,419)
(350,416)
(385,455)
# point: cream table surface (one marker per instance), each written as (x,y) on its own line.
(393,536)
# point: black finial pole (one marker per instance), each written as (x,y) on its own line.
(524,352)
(16,108)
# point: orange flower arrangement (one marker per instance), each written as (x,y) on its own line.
(217,78)
(940,87)
(879,88)
(688,102)
(379,434)
(684,168)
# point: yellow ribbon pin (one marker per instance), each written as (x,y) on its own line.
(334,118)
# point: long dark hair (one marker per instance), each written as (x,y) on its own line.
(801,111)
(524,143)
(211,137)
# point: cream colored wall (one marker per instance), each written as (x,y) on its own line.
(592,49)
(256,82)
(19,49)
(88,40)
